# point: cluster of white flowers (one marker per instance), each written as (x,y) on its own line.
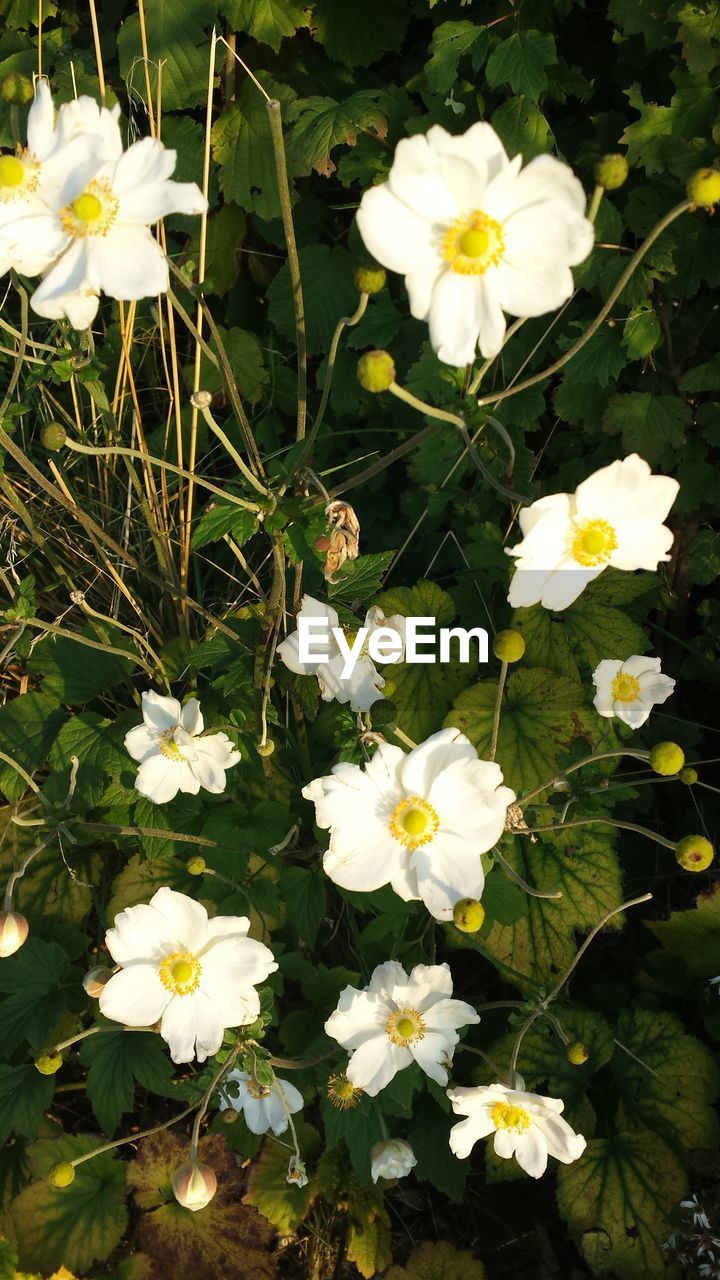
(76,207)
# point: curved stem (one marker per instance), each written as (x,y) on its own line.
(26,778)
(512,874)
(228,445)
(580,764)
(205,1102)
(429,410)
(608,822)
(346,322)
(498,707)
(20,872)
(133,1137)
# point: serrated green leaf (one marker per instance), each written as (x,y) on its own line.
(28,725)
(369,1245)
(522,128)
(704,377)
(694,935)
(304,894)
(359,34)
(582,635)
(242,146)
(520,61)
(24,1095)
(48,890)
(653,426)
(35,983)
(544,1063)
(268,21)
(435,1162)
(504,902)
(321,124)
(221,518)
(282,1203)
(328,291)
(117,1061)
(75,673)
(360,579)
(450,41)
(177,33)
(642,333)
(90,737)
(600,360)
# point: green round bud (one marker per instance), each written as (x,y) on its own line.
(375,371)
(48,1063)
(62,1174)
(703,188)
(370,279)
(383,712)
(196,866)
(667,758)
(688,776)
(611,171)
(577,1053)
(694,853)
(468,915)
(230,1116)
(53,436)
(265,748)
(509,646)
(16,89)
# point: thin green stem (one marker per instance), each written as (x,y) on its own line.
(20,871)
(227,444)
(512,874)
(498,707)
(205,1102)
(346,322)
(276,129)
(597,196)
(428,410)
(26,778)
(607,822)
(133,1137)
(580,764)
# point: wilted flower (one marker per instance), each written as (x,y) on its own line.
(398,1019)
(615,518)
(392,1159)
(172,753)
(261,1105)
(297,1173)
(194,1185)
(417,821)
(476,236)
(342,1093)
(193,975)
(630,689)
(526,1126)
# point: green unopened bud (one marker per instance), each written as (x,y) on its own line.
(62,1174)
(375,371)
(265,748)
(48,1063)
(370,279)
(703,187)
(468,915)
(667,758)
(194,1185)
(577,1053)
(229,1116)
(509,646)
(694,853)
(611,171)
(53,436)
(383,712)
(96,980)
(16,89)
(196,866)
(688,776)
(14,929)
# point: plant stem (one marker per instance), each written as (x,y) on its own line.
(273,110)
(608,822)
(429,410)
(498,707)
(346,322)
(223,1070)
(580,764)
(133,1137)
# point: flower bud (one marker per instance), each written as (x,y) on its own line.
(229,1116)
(611,171)
(577,1053)
(196,866)
(383,712)
(53,436)
(16,89)
(48,1063)
(688,776)
(375,371)
(468,915)
(694,853)
(201,399)
(667,758)
(95,980)
(508,646)
(14,929)
(265,748)
(703,187)
(296,1174)
(370,279)
(62,1174)
(194,1185)
(392,1159)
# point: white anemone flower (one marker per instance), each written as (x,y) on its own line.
(615,518)
(418,821)
(261,1105)
(173,753)
(193,975)
(364,684)
(630,689)
(399,1019)
(526,1125)
(475,235)
(392,1159)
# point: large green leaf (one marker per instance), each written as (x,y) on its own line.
(34,983)
(543,1062)
(91,738)
(242,146)
(617,1200)
(359,34)
(651,425)
(694,935)
(268,21)
(520,61)
(28,725)
(75,673)
(321,124)
(522,128)
(49,888)
(24,1095)
(221,518)
(328,292)
(178,35)
(117,1061)
(282,1203)
(451,40)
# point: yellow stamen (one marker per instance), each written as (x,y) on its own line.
(87,207)
(405,1027)
(180,973)
(342,1093)
(593,543)
(92,213)
(258,1091)
(506,1116)
(625,688)
(473,244)
(169,747)
(12,171)
(414,822)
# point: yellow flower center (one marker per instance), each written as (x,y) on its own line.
(405,1027)
(258,1091)
(12,171)
(18,176)
(625,688)
(92,213)
(414,822)
(473,244)
(506,1116)
(169,747)
(342,1093)
(180,973)
(594,543)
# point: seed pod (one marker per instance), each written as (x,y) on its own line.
(48,1063)
(375,371)
(196,866)
(611,171)
(468,915)
(577,1053)
(667,758)
(703,187)
(62,1174)
(694,853)
(370,279)
(508,646)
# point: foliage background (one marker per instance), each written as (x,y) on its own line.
(574,79)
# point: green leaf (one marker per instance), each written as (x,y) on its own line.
(544,1063)
(75,673)
(536,723)
(504,902)
(117,1060)
(451,40)
(221,518)
(304,894)
(694,935)
(369,1245)
(242,145)
(522,128)
(424,600)
(24,1095)
(616,1200)
(75,1226)
(599,361)
(328,291)
(520,61)
(653,426)
(89,737)
(35,983)
(582,404)
(704,558)
(704,377)
(360,579)
(268,21)
(435,1162)
(282,1203)
(581,636)
(359,34)
(247,362)
(642,333)
(28,725)
(177,35)
(48,890)
(226,231)
(321,124)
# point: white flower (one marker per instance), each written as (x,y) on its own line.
(364,684)
(173,756)
(193,975)
(392,1159)
(417,821)
(475,236)
(398,1019)
(615,517)
(526,1126)
(630,689)
(262,1105)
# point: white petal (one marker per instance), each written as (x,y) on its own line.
(135,996)
(479,146)
(141,742)
(491,321)
(374,861)
(191,717)
(432,1053)
(160,712)
(375,1062)
(449,869)
(454,317)
(626,491)
(396,236)
(415,179)
(191,1027)
(426,762)
(160,779)
(41,121)
(209,773)
(129,263)
(463,1137)
(531,1152)
(181,917)
(524,292)
(603,676)
(642,545)
(360,1015)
